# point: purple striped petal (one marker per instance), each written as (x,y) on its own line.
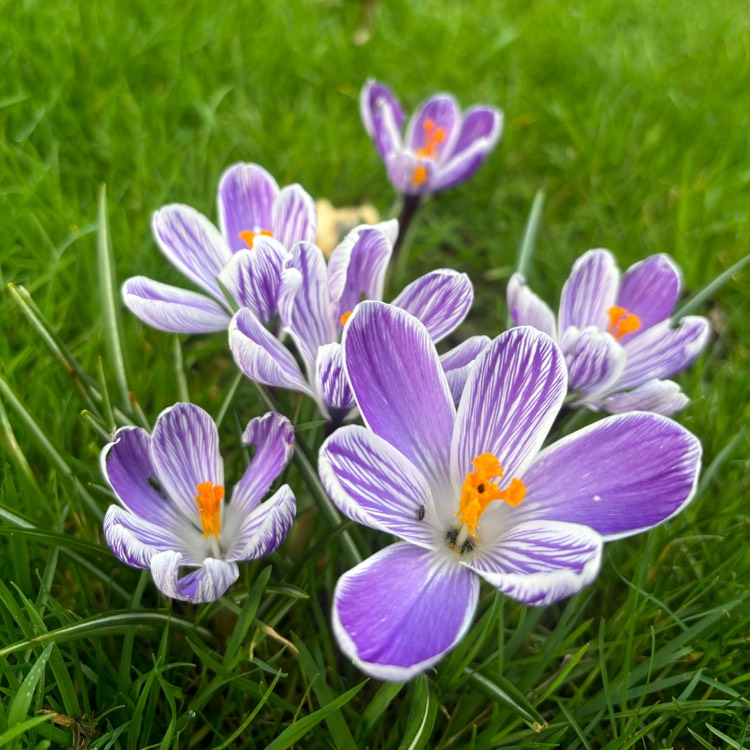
(590,291)
(185,452)
(356,270)
(332,383)
(400,611)
(650,289)
(480,132)
(304,305)
(295,218)
(127,466)
(261,531)
(659,396)
(526,309)
(253,277)
(261,356)
(192,244)
(594,359)
(400,387)
(440,300)
(620,476)
(443,112)
(662,351)
(272,435)
(540,562)
(510,402)
(246,197)
(373,484)
(206,584)
(171,309)
(382,117)
(457,363)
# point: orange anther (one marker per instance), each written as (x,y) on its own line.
(248,236)
(345,317)
(622,322)
(419,177)
(433,136)
(208,498)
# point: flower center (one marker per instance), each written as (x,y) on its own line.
(208,497)
(433,137)
(248,236)
(622,322)
(478,491)
(345,317)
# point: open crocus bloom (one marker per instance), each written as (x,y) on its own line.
(315,302)
(174,515)
(442,146)
(258,222)
(470,493)
(619,343)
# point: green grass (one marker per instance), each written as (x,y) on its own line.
(632,118)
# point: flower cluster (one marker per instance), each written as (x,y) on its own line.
(459,454)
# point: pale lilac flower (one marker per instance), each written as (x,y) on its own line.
(615,331)
(174,516)
(442,145)
(315,302)
(259,223)
(469,492)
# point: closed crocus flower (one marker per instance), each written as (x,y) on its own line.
(173,518)
(620,344)
(259,223)
(442,146)
(471,494)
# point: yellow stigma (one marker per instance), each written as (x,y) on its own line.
(345,317)
(478,491)
(622,322)
(208,498)
(247,236)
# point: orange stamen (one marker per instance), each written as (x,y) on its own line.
(419,176)
(433,137)
(208,498)
(248,236)
(345,317)
(478,490)
(622,322)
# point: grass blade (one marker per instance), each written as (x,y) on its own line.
(21,702)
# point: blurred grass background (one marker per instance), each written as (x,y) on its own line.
(633,118)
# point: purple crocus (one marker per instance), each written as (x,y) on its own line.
(620,345)
(442,145)
(315,302)
(259,223)
(170,485)
(470,494)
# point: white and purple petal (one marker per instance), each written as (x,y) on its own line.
(440,300)
(594,358)
(272,435)
(253,277)
(399,385)
(510,401)
(246,196)
(540,562)
(206,584)
(457,363)
(295,218)
(591,289)
(662,351)
(382,117)
(332,383)
(370,482)
(650,290)
(169,308)
(397,613)
(261,531)
(185,453)
(192,244)
(527,309)
(620,476)
(261,356)
(658,396)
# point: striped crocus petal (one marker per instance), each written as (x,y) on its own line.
(590,291)
(527,309)
(457,363)
(332,383)
(658,396)
(402,610)
(382,117)
(205,584)
(594,358)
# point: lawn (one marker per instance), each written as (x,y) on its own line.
(629,119)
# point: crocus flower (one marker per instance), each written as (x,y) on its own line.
(470,494)
(259,223)
(171,488)
(315,302)
(442,146)
(615,332)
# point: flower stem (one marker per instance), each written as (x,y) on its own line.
(409,209)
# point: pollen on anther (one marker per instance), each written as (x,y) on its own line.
(208,498)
